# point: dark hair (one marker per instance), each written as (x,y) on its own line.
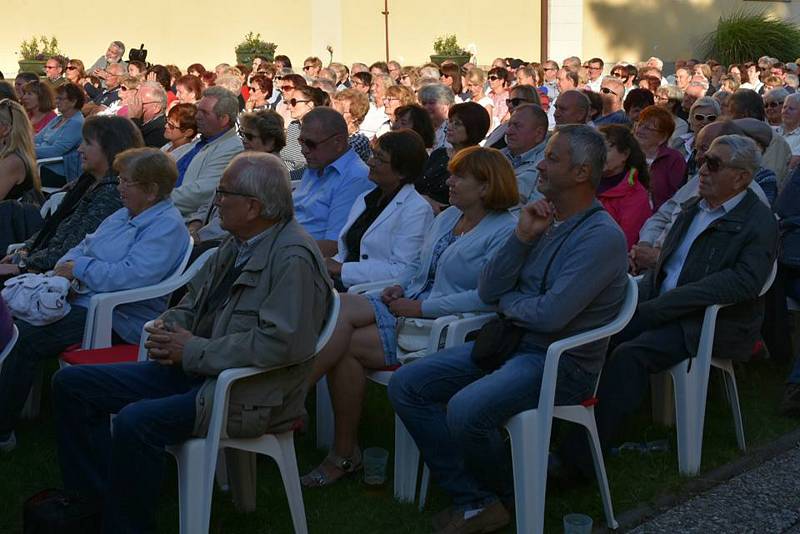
(61,60)
(526,92)
(295,79)
(268,124)
(500,73)
(209,77)
(315,94)
(640,98)
(283,59)
(163,76)
(185,115)
(139,65)
(44,95)
(72,92)
(197,67)
(573,76)
(596,60)
(475,118)
(7,91)
(174,71)
(28,76)
(406,151)
(263,82)
(747,103)
(420,120)
(622,138)
(595,103)
(384,68)
(364,77)
(113,134)
(192,83)
(452,71)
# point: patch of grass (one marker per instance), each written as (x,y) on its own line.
(349,506)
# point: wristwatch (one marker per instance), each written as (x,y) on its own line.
(22,266)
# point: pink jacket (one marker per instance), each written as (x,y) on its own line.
(629,205)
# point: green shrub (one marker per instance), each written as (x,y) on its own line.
(747,35)
(39,48)
(447,45)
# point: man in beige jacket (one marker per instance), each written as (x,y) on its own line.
(259,301)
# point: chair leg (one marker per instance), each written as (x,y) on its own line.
(287,463)
(423,487)
(324,415)
(687,420)
(600,470)
(222,472)
(194,489)
(529,458)
(733,397)
(406,463)
(34,401)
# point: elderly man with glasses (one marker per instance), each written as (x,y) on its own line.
(612,92)
(54,70)
(148,112)
(595,68)
(517,96)
(334,177)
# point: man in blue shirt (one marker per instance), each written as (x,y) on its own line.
(334,177)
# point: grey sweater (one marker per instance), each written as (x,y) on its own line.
(585,286)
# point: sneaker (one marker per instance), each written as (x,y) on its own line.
(8,442)
(489,519)
(790,404)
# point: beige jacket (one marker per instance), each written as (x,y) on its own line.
(271,319)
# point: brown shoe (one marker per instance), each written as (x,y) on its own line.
(443,518)
(489,519)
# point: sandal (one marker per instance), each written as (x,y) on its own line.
(332,468)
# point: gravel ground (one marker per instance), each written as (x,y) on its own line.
(763,500)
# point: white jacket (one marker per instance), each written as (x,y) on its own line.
(392,241)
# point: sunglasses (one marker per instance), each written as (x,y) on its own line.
(713,163)
(71,68)
(771,105)
(293,101)
(493,77)
(608,91)
(312,145)
(219,193)
(701,117)
(246,136)
(514,102)
(287,87)
(308,67)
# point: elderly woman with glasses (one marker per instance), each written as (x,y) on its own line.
(138,245)
(287,84)
(260,91)
(354,105)
(128,90)
(666,165)
(39,102)
(262,131)
(773,106)
(498,92)
(303,99)
(790,126)
(703,112)
(441,281)
(180,130)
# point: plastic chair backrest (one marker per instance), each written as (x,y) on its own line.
(10,345)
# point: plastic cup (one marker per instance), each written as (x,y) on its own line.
(375,460)
(577,524)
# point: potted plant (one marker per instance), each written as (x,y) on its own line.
(34,53)
(447,48)
(746,35)
(253,46)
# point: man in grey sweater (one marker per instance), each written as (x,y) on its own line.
(561,272)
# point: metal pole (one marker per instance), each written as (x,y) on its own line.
(385,13)
(545,31)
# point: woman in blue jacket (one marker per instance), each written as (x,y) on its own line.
(442,280)
(61,137)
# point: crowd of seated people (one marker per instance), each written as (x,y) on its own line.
(496,188)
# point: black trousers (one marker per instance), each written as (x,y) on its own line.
(635,353)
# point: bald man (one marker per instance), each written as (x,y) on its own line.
(612,91)
(572,107)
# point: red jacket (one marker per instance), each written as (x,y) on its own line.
(629,205)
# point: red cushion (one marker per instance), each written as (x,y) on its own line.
(591,401)
(115,354)
(390,368)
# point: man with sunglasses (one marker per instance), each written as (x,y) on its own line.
(720,250)
(311,67)
(612,92)
(332,180)
(517,96)
(54,70)
(550,69)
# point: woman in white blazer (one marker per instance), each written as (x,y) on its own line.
(386,226)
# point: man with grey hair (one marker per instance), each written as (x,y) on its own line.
(612,92)
(332,180)
(525,143)
(201,167)
(148,111)
(572,107)
(437,99)
(538,280)
(113,78)
(113,55)
(720,251)
(377,122)
(261,300)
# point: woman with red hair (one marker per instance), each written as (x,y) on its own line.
(667,166)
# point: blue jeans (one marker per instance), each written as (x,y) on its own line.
(35,344)
(155,407)
(455,413)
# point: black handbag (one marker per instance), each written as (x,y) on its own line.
(52,511)
(499,338)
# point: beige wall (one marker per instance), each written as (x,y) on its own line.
(355,28)
(633,30)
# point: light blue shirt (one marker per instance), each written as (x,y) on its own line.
(52,142)
(128,253)
(323,200)
(526,171)
(704,217)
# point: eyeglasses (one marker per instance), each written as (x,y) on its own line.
(375,157)
(701,117)
(493,77)
(550,68)
(608,91)
(514,102)
(72,67)
(173,125)
(713,163)
(126,88)
(127,182)
(773,104)
(247,136)
(51,66)
(293,102)
(308,67)
(313,145)
(221,193)
(287,87)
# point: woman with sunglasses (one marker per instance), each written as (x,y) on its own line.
(498,92)
(666,165)
(441,281)
(18,172)
(76,73)
(303,99)
(180,130)
(476,82)
(260,90)
(39,102)
(704,111)
(773,105)
(450,76)
(287,84)
(128,89)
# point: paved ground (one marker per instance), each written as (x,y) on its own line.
(763,500)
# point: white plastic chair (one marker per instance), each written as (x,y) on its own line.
(446,331)
(7,349)
(51,204)
(530,430)
(197,458)
(41,162)
(690,378)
